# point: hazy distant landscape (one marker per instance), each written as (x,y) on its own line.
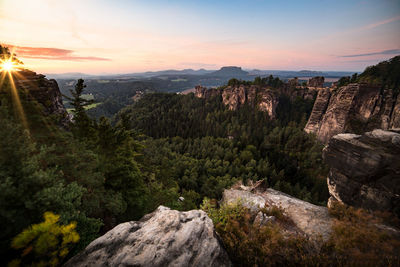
(113,92)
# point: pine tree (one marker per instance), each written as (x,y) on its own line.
(83,125)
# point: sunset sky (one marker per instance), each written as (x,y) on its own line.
(122,36)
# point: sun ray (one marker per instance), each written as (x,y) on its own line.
(17,102)
(9,67)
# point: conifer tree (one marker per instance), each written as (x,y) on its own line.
(83,125)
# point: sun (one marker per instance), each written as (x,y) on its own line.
(7,65)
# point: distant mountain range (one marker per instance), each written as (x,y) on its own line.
(224,72)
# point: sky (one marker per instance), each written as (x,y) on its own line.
(125,36)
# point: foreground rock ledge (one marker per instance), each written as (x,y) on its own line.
(163,238)
(313,221)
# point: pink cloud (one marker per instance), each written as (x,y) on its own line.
(50,53)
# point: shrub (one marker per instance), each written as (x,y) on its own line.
(46,243)
(356,238)
(252,245)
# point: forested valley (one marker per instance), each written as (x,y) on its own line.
(99,173)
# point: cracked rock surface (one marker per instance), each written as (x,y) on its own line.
(163,238)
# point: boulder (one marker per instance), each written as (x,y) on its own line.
(365,169)
(163,238)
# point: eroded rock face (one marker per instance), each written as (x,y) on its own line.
(236,96)
(262,97)
(293,82)
(163,238)
(44,91)
(352,108)
(395,123)
(313,221)
(316,82)
(203,92)
(318,112)
(365,169)
(268,102)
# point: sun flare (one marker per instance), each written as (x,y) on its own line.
(8,65)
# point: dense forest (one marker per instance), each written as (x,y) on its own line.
(210,147)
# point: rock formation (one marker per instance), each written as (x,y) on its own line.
(318,112)
(235,96)
(163,238)
(203,92)
(311,220)
(395,122)
(44,91)
(268,102)
(316,82)
(365,169)
(357,107)
(293,82)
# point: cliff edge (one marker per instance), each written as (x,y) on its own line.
(354,108)
(365,170)
(44,91)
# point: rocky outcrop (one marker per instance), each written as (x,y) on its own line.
(163,238)
(293,82)
(203,92)
(265,98)
(44,91)
(318,112)
(395,121)
(268,102)
(316,82)
(235,96)
(365,169)
(356,108)
(310,220)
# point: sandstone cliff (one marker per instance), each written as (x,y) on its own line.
(163,238)
(365,169)
(235,96)
(264,98)
(44,91)
(316,82)
(356,108)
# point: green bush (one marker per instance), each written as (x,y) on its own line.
(46,243)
